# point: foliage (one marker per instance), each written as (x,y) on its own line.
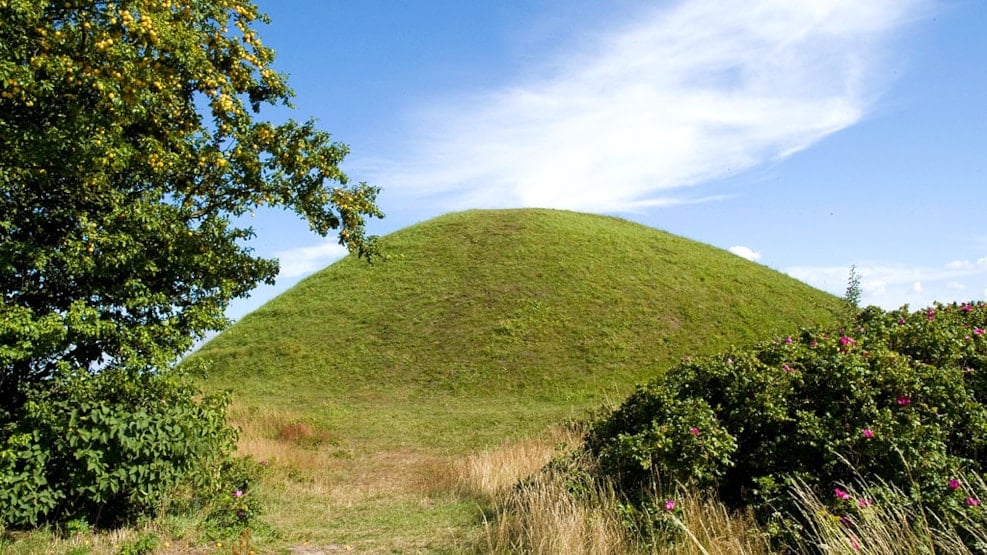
(852,295)
(110,447)
(232,508)
(130,150)
(897,398)
(143,545)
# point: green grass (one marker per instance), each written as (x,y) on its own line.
(480,327)
(540,307)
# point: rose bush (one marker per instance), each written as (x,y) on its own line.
(894,398)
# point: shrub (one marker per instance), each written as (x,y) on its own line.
(110,447)
(896,397)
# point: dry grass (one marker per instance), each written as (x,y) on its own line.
(535,511)
(47,542)
(324,492)
(543,517)
(709,528)
(889,524)
(310,456)
(490,474)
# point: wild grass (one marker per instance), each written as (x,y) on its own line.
(545,514)
(543,510)
(889,522)
(490,474)
(324,490)
(541,515)
(165,537)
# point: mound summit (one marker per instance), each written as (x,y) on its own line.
(543,304)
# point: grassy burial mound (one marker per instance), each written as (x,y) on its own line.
(499,320)
(391,400)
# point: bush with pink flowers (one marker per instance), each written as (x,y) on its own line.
(896,398)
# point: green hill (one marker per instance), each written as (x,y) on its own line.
(546,311)
(371,388)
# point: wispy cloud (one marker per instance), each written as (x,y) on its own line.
(688,93)
(890,286)
(299,261)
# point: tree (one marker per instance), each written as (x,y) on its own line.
(131,143)
(852,296)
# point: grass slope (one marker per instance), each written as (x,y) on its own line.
(481,326)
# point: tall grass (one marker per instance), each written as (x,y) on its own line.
(889,522)
(490,474)
(540,510)
(544,515)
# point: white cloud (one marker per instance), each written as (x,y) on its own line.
(893,285)
(873,288)
(299,261)
(967,264)
(745,252)
(688,93)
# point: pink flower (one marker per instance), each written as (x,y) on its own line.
(238,493)
(904,400)
(954,484)
(840,494)
(694,431)
(846,343)
(788,340)
(787,368)
(978,331)
(972,501)
(868,433)
(854,544)
(669,505)
(864,502)
(966,307)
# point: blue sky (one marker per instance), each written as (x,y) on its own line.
(806,135)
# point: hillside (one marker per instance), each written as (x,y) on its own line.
(373,389)
(553,307)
